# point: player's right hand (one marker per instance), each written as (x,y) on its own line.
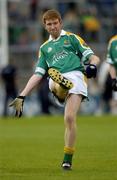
(114,84)
(17,103)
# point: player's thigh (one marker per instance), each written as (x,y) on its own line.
(72,105)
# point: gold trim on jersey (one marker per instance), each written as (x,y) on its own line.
(113,38)
(39,53)
(69,33)
(82,42)
(44,43)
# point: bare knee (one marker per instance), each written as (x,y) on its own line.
(69,120)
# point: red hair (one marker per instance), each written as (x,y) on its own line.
(51,14)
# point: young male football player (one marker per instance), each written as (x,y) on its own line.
(63,56)
(112,60)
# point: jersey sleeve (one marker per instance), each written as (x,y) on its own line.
(42,66)
(83,50)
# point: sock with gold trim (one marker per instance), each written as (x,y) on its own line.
(68,154)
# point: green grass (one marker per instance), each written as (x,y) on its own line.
(32,149)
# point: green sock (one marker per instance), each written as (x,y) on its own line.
(68,158)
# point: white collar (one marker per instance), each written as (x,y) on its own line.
(61,34)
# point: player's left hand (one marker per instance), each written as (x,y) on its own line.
(114,84)
(18,105)
(91,71)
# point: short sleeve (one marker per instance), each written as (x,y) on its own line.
(82,48)
(42,66)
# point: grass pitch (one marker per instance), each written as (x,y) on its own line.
(32,149)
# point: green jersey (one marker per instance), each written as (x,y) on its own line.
(67,53)
(112,52)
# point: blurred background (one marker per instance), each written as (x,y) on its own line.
(22,33)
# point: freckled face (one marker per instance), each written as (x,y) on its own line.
(53,27)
